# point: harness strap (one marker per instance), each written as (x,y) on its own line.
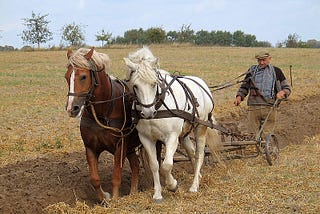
(191,97)
(170,89)
(191,117)
(160,99)
(186,116)
(110,109)
(88,94)
(209,95)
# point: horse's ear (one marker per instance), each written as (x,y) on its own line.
(102,69)
(69,53)
(130,64)
(157,63)
(89,54)
(132,68)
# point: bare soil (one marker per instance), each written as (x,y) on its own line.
(30,186)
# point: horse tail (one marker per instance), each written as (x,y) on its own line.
(213,141)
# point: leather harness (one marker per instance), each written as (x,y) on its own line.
(192,117)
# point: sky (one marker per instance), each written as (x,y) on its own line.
(270,20)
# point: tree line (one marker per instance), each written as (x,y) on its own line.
(187,35)
(37,32)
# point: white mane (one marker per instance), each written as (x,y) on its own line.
(146,66)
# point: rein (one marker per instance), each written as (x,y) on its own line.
(117,130)
(121,130)
(230,83)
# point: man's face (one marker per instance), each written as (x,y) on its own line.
(264,62)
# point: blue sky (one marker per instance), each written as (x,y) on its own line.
(270,20)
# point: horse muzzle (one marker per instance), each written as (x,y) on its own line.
(148,113)
(75,108)
(75,111)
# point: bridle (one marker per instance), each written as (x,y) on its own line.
(94,83)
(162,89)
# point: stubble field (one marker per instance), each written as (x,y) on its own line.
(42,160)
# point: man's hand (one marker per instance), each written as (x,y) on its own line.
(237,100)
(281,95)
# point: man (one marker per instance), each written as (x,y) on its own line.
(265,84)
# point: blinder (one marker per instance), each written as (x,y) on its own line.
(94,83)
(159,97)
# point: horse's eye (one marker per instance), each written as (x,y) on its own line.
(83,77)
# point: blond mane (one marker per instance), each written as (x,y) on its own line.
(97,62)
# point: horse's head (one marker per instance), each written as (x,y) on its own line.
(143,77)
(82,78)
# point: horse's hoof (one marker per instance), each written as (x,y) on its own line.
(158,201)
(104,202)
(107,195)
(192,189)
(174,189)
(106,198)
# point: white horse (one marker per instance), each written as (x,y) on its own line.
(164,102)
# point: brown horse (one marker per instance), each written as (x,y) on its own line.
(104,106)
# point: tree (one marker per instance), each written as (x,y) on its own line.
(155,35)
(186,34)
(74,34)
(263,44)
(202,37)
(221,38)
(279,44)
(292,41)
(118,40)
(250,40)
(103,37)
(135,36)
(302,44)
(172,36)
(241,39)
(313,43)
(238,38)
(37,31)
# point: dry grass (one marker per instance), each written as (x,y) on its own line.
(244,186)
(33,89)
(34,124)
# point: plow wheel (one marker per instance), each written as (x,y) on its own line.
(271,149)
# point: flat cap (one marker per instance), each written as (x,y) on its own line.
(262,54)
